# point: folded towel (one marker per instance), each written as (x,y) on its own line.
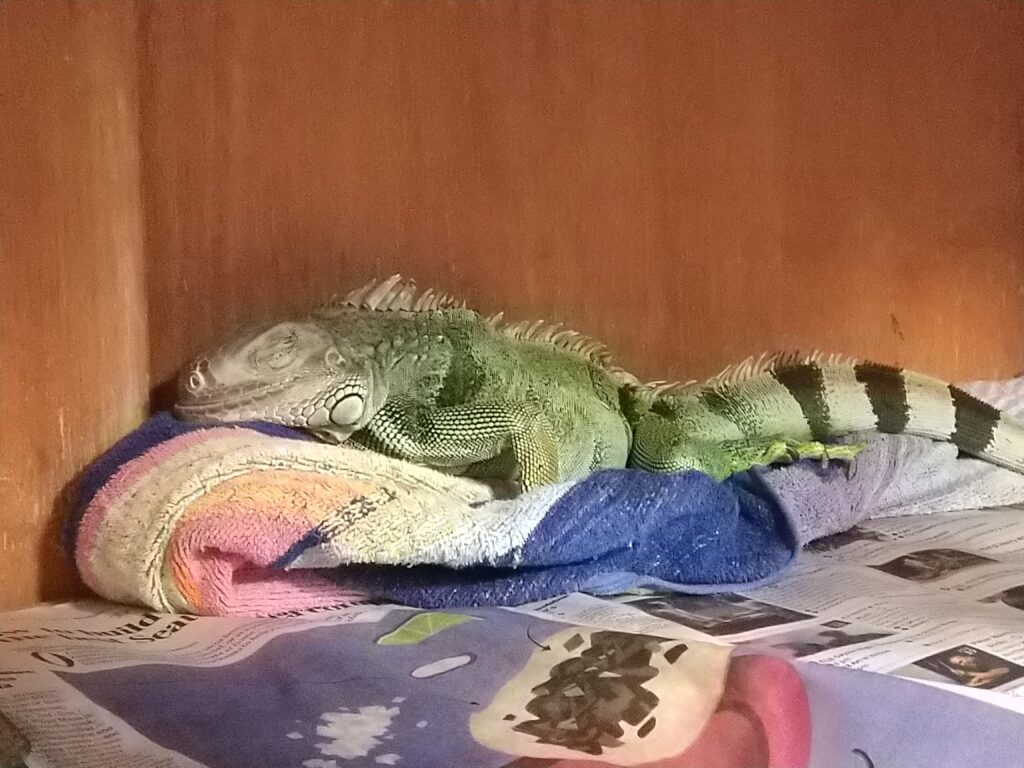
(258,519)
(254,519)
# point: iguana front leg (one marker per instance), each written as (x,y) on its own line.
(461,435)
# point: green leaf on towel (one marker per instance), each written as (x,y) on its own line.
(420,627)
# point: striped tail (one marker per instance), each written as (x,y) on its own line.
(817,398)
(839,399)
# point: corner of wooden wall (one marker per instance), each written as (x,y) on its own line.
(73,338)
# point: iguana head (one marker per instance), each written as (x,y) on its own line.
(293,373)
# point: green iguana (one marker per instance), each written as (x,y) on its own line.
(418,376)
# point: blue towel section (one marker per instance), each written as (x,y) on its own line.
(616,530)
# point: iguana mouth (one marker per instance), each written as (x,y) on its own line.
(234,396)
(305,400)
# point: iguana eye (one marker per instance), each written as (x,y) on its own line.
(196,381)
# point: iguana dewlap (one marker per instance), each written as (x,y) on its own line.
(414,375)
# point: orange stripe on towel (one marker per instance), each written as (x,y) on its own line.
(249,520)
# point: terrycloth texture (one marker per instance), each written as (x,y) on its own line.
(902,475)
(255,520)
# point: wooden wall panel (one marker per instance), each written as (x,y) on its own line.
(692,182)
(72,313)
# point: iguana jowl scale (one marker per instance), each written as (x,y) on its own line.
(415,375)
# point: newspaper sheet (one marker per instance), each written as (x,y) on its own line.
(41,647)
(938,600)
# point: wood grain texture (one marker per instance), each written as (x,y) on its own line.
(72,314)
(691,182)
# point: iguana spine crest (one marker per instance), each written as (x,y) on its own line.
(748,369)
(399,294)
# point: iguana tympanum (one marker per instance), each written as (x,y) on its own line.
(418,376)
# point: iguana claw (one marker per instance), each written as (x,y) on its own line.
(790,451)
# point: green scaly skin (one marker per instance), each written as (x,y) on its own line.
(412,375)
(674,433)
(439,387)
(784,407)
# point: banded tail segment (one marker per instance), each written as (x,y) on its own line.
(908,402)
(977,425)
(819,397)
(838,399)
(886,389)
(806,384)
